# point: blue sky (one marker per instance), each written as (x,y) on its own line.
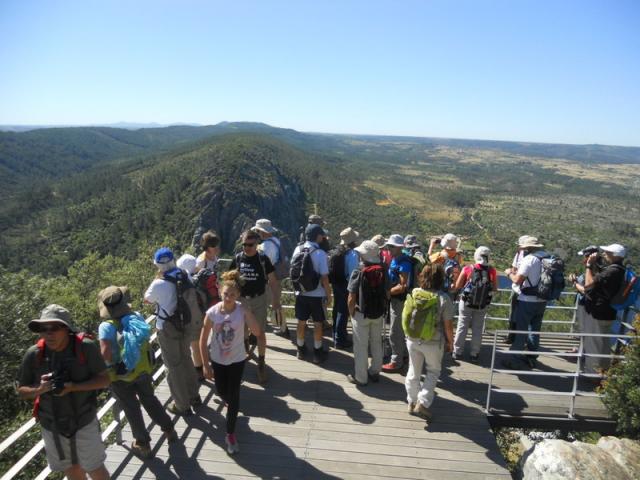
(546,71)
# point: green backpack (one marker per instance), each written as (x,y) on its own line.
(420,314)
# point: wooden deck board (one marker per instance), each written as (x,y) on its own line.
(309,422)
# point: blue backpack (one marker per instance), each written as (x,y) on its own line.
(629,291)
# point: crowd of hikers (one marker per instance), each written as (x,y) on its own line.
(210,323)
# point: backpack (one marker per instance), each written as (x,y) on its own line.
(337,265)
(135,353)
(283,264)
(372,296)
(206,283)
(628,293)
(187,306)
(551,282)
(450,265)
(420,314)
(478,291)
(303,276)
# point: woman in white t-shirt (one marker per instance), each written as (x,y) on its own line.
(222,340)
(210,250)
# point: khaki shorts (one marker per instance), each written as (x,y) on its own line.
(258,306)
(89,448)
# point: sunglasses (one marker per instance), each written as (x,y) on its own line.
(51,328)
(249,244)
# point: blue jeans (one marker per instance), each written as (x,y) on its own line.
(340,313)
(528,317)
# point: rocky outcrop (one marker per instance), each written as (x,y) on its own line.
(611,458)
(229,212)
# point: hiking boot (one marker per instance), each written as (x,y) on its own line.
(173,408)
(421,411)
(509,365)
(346,345)
(410,408)
(352,379)
(262,372)
(172,435)
(532,362)
(232,443)
(374,377)
(141,449)
(319,355)
(301,352)
(391,367)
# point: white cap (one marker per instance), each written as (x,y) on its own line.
(187,262)
(395,240)
(615,249)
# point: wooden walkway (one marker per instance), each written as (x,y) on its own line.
(309,423)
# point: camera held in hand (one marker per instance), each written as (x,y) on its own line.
(58,379)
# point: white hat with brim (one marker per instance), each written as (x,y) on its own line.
(52,314)
(349,235)
(527,241)
(615,249)
(369,251)
(264,225)
(450,241)
(395,240)
(481,255)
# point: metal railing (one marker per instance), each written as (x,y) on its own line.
(109,405)
(580,355)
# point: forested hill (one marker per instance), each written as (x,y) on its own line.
(224,183)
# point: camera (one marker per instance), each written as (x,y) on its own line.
(58,378)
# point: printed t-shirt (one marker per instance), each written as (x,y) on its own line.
(252,272)
(227,334)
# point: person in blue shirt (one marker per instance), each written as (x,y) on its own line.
(343,260)
(400,272)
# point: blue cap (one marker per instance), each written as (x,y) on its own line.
(163,255)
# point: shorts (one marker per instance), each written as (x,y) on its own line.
(309,307)
(89,447)
(257,306)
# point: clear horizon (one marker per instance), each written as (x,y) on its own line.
(543,71)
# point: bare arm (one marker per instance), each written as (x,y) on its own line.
(327,287)
(448,333)
(351,303)
(401,287)
(460,282)
(589,277)
(105,350)
(29,392)
(204,336)
(101,380)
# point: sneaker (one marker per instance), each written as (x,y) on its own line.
(391,367)
(374,377)
(352,379)
(262,373)
(172,435)
(319,355)
(141,449)
(301,352)
(421,411)
(232,443)
(173,408)
(410,408)
(475,358)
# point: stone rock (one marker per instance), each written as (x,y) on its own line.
(626,452)
(560,460)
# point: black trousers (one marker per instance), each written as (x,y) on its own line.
(228,378)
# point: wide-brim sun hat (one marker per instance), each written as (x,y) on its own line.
(379,239)
(450,241)
(315,220)
(615,249)
(113,302)
(50,314)
(528,241)
(264,225)
(395,240)
(411,241)
(349,235)
(369,251)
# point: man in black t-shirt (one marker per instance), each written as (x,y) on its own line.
(598,290)
(256,271)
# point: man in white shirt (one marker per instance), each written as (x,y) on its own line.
(530,309)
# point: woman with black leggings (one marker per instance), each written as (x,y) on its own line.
(226,349)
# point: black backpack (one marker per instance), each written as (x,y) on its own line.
(372,296)
(551,282)
(187,306)
(303,276)
(337,265)
(478,291)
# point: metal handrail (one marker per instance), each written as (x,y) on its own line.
(576,375)
(110,404)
